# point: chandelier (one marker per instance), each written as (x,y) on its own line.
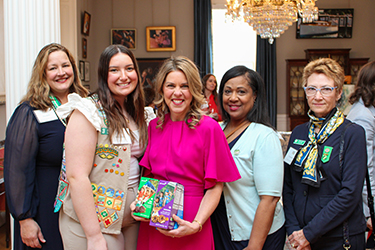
(270,18)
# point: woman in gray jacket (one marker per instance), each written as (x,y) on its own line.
(363,113)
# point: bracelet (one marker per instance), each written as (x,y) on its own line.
(200,225)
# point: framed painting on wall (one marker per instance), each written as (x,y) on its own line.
(331,23)
(87,71)
(82,70)
(86,23)
(161,38)
(84,47)
(148,68)
(126,37)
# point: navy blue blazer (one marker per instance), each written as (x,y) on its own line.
(320,212)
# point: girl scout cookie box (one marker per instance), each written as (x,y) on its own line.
(169,200)
(145,199)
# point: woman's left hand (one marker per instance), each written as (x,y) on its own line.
(137,218)
(298,241)
(185,228)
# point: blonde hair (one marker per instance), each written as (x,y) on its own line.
(329,68)
(190,70)
(38,90)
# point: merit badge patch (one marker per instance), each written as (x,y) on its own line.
(117,204)
(326,154)
(114,217)
(109,202)
(107,221)
(104,214)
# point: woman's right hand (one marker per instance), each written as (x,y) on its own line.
(369,223)
(137,218)
(31,233)
(97,242)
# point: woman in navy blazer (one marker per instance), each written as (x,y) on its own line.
(322,194)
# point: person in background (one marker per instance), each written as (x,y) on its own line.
(210,92)
(106,134)
(34,146)
(187,147)
(149,98)
(325,167)
(250,214)
(363,113)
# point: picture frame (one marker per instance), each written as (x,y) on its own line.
(87,71)
(84,47)
(148,68)
(82,70)
(124,36)
(331,23)
(86,23)
(161,38)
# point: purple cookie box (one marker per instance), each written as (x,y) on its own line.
(161,215)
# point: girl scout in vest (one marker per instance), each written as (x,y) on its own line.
(100,172)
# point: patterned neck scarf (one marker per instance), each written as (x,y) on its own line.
(308,155)
(56,103)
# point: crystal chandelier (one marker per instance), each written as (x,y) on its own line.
(270,18)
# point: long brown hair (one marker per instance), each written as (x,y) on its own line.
(204,82)
(134,103)
(38,90)
(190,70)
(365,86)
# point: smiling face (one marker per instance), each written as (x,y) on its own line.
(211,83)
(238,98)
(177,95)
(59,74)
(319,104)
(122,77)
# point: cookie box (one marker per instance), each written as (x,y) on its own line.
(169,200)
(145,198)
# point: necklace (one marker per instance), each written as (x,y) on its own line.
(237,128)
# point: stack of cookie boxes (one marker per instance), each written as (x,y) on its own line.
(166,199)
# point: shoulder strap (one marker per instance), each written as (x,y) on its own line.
(346,244)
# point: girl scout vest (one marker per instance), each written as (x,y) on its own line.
(109,180)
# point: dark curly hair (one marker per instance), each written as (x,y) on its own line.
(365,86)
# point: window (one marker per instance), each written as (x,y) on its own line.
(234,43)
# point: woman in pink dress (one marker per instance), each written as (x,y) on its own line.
(189,148)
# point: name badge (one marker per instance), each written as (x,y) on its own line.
(45,116)
(299,142)
(290,155)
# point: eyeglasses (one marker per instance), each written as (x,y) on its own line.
(311,91)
